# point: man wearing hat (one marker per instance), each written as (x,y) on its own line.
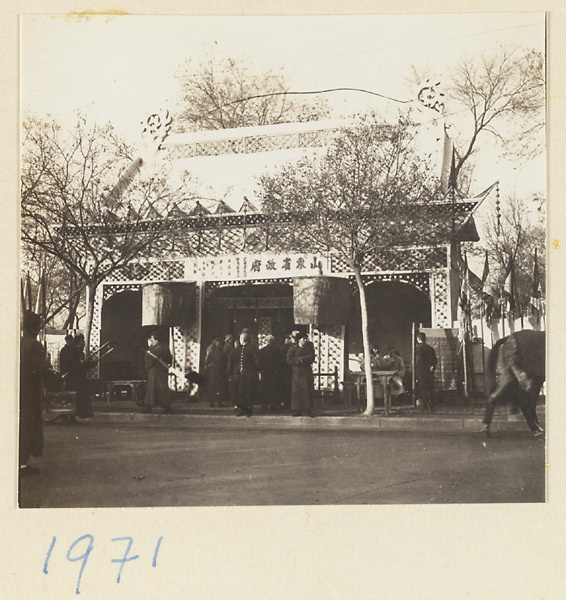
(33,367)
(244,373)
(301,357)
(157,361)
(287,374)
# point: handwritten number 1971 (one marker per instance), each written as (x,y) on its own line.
(85,544)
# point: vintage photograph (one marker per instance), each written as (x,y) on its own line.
(282,260)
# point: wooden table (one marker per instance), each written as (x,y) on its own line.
(133,384)
(384,378)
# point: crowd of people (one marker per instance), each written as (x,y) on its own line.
(274,377)
(236,373)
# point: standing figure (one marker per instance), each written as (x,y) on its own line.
(67,355)
(217,375)
(69,362)
(32,371)
(78,381)
(244,373)
(286,386)
(271,366)
(426,361)
(301,357)
(229,348)
(157,362)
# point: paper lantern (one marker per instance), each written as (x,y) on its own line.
(321,300)
(168,304)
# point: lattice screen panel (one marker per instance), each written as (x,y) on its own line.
(233,240)
(94,372)
(418,280)
(263,330)
(411,259)
(251,144)
(192,341)
(328,344)
(178,349)
(257,302)
(312,139)
(440,300)
(217,147)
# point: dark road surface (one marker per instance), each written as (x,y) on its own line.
(107,466)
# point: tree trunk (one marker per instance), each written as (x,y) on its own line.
(365,339)
(74,300)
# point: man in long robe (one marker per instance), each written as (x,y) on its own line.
(425,367)
(217,375)
(301,357)
(244,372)
(157,361)
(272,366)
(33,367)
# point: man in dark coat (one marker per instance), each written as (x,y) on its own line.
(271,365)
(33,367)
(217,375)
(301,357)
(69,362)
(157,361)
(244,372)
(76,380)
(290,340)
(67,354)
(426,361)
(229,347)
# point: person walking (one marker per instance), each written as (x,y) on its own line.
(33,367)
(244,373)
(301,357)
(426,362)
(157,361)
(217,375)
(271,367)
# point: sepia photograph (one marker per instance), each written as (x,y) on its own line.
(282,260)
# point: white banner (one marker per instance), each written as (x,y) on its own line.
(261,265)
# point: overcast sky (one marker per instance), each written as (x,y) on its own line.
(121,68)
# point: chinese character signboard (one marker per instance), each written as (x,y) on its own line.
(263,265)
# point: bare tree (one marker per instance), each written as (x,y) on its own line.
(504,96)
(511,236)
(370,192)
(500,94)
(74,211)
(221,92)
